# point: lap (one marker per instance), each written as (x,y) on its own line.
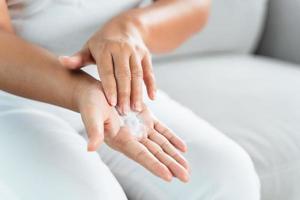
(220,169)
(42,157)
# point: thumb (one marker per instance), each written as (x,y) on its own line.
(78,60)
(94,124)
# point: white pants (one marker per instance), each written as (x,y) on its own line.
(43,156)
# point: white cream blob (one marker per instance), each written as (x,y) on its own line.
(134,123)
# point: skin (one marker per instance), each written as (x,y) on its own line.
(31,72)
(122,48)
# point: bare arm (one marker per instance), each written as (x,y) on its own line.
(29,71)
(32,72)
(165,24)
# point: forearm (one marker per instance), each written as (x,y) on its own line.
(165,24)
(32,72)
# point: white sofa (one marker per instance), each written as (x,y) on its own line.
(254,99)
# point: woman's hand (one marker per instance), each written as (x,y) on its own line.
(123,62)
(157,152)
(97,115)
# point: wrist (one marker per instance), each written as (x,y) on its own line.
(84,89)
(128,23)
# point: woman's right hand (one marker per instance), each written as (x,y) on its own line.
(123,62)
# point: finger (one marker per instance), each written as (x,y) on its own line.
(136,83)
(168,148)
(123,77)
(177,170)
(106,72)
(78,60)
(172,137)
(149,78)
(92,119)
(139,153)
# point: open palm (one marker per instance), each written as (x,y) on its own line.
(157,152)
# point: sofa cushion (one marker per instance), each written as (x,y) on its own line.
(281,37)
(234,26)
(255,101)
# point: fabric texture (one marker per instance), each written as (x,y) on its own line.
(43,157)
(253,100)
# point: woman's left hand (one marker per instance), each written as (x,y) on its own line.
(158,151)
(123,63)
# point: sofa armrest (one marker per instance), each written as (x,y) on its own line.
(282,34)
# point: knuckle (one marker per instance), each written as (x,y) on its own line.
(165,144)
(155,164)
(139,48)
(172,138)
(113,46)
(98,47)
(165,131)
(126,46)
(148,67)
(169,162)
(123,74)
(144,141)
(158,151)
(140,154)
(137,73)
(102,46)
(123,94)
(105,71)
(176,155)
(149,77)
(120,45)
(151,134)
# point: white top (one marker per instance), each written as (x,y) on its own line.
(63,26)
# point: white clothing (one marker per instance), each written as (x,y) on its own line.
(43,157)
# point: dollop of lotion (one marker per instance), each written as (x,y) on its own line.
(135,124)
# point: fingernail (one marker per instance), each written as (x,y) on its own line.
(67,59)
(90,147)
(153,95)
(113,101)
(62,58)
(186,178)
(74,59)
(168,177)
